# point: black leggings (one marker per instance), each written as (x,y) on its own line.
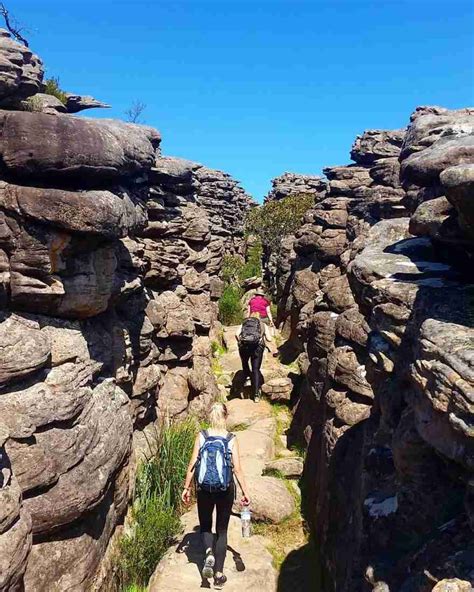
(255,356)
(222,501)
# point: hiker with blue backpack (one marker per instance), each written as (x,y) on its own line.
(215,461)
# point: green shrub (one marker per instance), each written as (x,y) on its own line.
(217,349)
(276,219)
(253,263)
(154,529)
(230,307)
(231,268)
(51,87)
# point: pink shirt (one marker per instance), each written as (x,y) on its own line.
(259,304)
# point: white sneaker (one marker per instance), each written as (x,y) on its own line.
(208,569)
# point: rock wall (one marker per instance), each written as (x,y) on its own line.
(385,317)
(278,266)
(110,255)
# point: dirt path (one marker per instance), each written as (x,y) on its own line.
(251,564)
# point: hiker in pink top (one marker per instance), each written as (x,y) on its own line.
(259,304)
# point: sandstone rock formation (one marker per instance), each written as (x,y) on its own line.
(21,72)
(110,254)
(278,265)
(294,184)
(383,321)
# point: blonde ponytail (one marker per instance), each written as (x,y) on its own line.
(218,416)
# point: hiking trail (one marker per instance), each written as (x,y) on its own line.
(251,564)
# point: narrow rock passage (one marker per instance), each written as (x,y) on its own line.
(249,565)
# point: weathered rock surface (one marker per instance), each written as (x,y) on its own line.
(76,103)
(21,70)
(291,468)
(79,150)
(278,389)
(386,407)
(295,184)
(109,264)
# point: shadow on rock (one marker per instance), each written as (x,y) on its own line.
(192,546)
(238,389)
(299,571)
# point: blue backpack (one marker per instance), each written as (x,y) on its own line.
(213,469)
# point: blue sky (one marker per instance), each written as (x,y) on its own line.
(259,87)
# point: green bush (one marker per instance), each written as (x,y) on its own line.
(276,219)
(217,349)
(231,268)
(154,529)
(156,505)
(51,87)
(230,306)
(253,263)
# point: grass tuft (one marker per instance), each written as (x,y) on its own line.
(230,306)
(217,349)
(284,537)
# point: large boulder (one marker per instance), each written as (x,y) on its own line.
(86,151)
(270,498)
(101,213)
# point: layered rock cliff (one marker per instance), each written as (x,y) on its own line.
(278,265)
(380,296)
(110,255)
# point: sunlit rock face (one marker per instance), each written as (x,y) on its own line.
(109,259)
(379,292)
(21,71)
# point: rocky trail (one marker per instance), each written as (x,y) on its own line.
(251,563)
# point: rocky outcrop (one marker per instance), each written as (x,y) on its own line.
(295,184)
(385,321)
(21,71)
(278,266)
(110,255)
(76,103)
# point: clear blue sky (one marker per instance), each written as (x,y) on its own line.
(259,87)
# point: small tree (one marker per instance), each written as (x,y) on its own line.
(134,112)
(274,220)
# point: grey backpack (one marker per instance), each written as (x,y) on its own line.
(251,334)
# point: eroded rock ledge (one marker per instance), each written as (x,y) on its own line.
(109,263)
(377,294)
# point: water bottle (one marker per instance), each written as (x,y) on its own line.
(245,522)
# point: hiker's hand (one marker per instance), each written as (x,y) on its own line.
(245,501)
(186,495)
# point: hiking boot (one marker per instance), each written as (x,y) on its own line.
(219,582)
(208,569)
(257,397)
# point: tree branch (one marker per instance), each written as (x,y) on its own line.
(12,25)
